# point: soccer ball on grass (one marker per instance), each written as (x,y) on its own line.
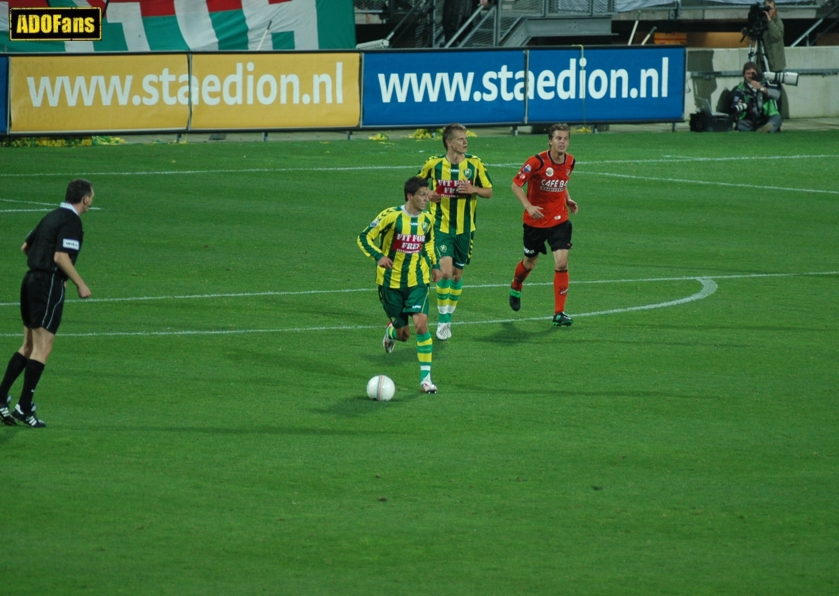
(380,388)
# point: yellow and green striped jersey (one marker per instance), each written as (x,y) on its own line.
(408,240)
(454,214)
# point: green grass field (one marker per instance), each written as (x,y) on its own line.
(208,430)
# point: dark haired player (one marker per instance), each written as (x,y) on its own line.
(51,249)
(546,206)
(401,241)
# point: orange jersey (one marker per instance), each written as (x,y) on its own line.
(547,187)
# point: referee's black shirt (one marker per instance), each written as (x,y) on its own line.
(59,231)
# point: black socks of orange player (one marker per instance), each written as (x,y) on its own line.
(519,276)
(16,366)
(560,290)
(30,382)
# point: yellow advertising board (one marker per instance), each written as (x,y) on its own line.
(67,94)
(266,91)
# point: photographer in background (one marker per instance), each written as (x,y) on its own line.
(753,102)
(772,56)
(773,39)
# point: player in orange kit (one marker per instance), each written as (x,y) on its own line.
(546,208)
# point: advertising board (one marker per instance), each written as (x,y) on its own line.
(49,94)
(606,85)
(271,91)
(435,88)
(490,87)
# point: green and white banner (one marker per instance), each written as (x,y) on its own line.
(201,26)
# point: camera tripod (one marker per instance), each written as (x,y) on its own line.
(757,22)
(757,53)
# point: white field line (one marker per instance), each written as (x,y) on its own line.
(41,210)
(710,183)
(210,171)
(685,158)
(708,288)
(208,296)
(373,289)
(581,170)
(45,206)
(670,159)
(28,202)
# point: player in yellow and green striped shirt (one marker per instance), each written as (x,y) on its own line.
(401,241)
(458,179)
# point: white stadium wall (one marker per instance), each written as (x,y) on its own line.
(814,97)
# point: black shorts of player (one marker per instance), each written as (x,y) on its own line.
(557,237)
(42,300)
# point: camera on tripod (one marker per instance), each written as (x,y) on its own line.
(757,8)
(756,23)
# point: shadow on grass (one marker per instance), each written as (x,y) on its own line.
(403,352)
(717,328)
(657,341)
(638,395)
(507,333)
(512,333)
(225,430)
(362,406)
(573,395)
(7,432)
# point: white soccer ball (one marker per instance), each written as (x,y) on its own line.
(381,388)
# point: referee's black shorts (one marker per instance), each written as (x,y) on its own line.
(557,237)
(42,300)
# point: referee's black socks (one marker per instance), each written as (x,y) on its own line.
(30,382)
(16,366)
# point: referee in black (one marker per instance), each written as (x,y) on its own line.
(51,249)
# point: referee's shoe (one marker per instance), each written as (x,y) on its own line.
(4,412)
(29,419)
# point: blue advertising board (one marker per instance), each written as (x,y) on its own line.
(435,88)
(619,84)
(606,85)
(4,94)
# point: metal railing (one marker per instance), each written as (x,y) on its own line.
(416,29)
(806,35)
(420,23)
(490,26)
(676,6)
